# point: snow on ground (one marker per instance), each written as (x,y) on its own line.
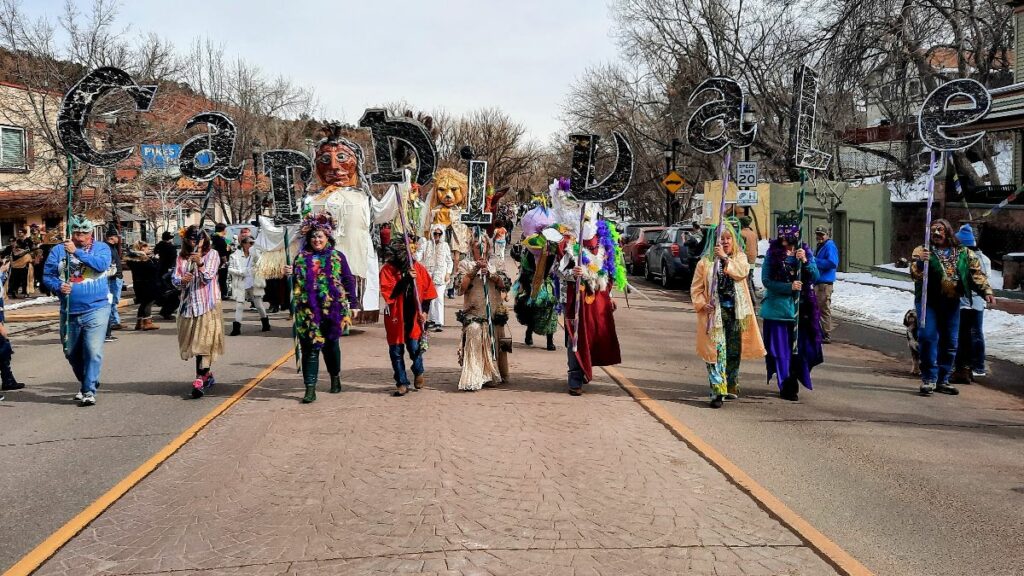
(885,307)
(32,302)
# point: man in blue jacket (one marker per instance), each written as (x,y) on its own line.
(85,301)
(826,257)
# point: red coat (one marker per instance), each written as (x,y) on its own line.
(394,317)
(598,343)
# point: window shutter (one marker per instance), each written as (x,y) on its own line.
(30,152)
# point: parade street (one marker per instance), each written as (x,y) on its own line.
(520,479)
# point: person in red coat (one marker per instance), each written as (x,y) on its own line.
(404,317)
(597,343)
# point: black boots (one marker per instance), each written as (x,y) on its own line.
(310,394)
(236,329)
(790,390)
(551,341)
(266,324)
(335,384)
(529,338)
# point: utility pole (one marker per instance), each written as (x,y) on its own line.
(670,165)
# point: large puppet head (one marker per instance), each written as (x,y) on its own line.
(339,161)
(450,188)
(536,220)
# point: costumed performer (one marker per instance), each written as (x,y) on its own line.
(483,287)
(536,292)
(734,332)
(792,331)
(200,323)
(447,203)
(246,285)
(435,254)
(400,281)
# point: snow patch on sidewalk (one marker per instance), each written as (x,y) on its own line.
(885,307)
(32,302)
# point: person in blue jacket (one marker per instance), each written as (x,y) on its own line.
(84,301)
(826,258)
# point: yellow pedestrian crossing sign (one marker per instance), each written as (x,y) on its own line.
(673,182)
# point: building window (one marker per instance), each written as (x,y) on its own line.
(12,147)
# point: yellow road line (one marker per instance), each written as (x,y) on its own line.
(825,548)
(34,559)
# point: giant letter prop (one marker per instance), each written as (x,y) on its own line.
(801,121)
(584,152)
(77,106)
(218,145)
(413,133)
(726,108)
(278,166)
(940,111)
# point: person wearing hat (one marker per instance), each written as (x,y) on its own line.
(401,283)
(20,252)
(84,301)
(970,348)
(826,258)
(436,256)
(115,280)
(246,284)
(953,272)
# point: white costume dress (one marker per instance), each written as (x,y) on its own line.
(436,257)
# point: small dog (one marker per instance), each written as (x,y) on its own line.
(910,321)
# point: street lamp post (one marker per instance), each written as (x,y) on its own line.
(670,165)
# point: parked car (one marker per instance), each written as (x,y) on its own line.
(673,256)
(630,228)
(634,251)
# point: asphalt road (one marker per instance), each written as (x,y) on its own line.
(56,457)
(908,485)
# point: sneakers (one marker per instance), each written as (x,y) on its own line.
(110,338)
(88,399)
(716,402)
(927,388)
(79,397)
(197,388)
(14,385)
(979,373)
(731,396)
(947,388)
(117,326)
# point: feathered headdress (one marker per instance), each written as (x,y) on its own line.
(788,225)
(319,221)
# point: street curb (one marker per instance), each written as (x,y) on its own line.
(55,315)
(53,543)
(828,550)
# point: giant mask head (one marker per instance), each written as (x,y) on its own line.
(450,189)
(338,160)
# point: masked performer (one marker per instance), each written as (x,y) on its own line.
(324,291)
(482,354)
(734,333)
(436,255)
(403,319)
(535,292)
(589,277)
(200,324)
(953,272)
(447,203)
(346,197)
(792,331)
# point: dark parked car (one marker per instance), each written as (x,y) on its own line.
(634,250)
(673,256)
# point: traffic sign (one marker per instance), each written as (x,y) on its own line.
(746,174)
(673,182)
(746,197)
(622,204)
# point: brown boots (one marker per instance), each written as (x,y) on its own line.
(145,324)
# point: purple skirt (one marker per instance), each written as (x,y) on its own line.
(782,361)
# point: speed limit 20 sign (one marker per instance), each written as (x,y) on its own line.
(746,174)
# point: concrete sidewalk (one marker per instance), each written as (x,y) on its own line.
(521,479)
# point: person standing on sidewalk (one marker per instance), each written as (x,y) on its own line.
(200,323)
(792,328)
(145,283)
(483,317)
(750,239)
(436,256)
(84,302)
(115,281)
(168,256)
(403,322)
(7,380)
(953,272)
(324,295)
(826,258)
(220,244)
(20,252)
(729,311)
(246,285)
(970,350)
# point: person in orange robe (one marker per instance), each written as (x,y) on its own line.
(403,318)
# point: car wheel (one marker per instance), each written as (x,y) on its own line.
(647,271)
(666,281)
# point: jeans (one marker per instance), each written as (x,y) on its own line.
(970,351)
(311,360)
(937,338)
(116,285)
(396,352)
(85,333)
(576,375)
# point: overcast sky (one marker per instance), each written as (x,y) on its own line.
(519,55)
